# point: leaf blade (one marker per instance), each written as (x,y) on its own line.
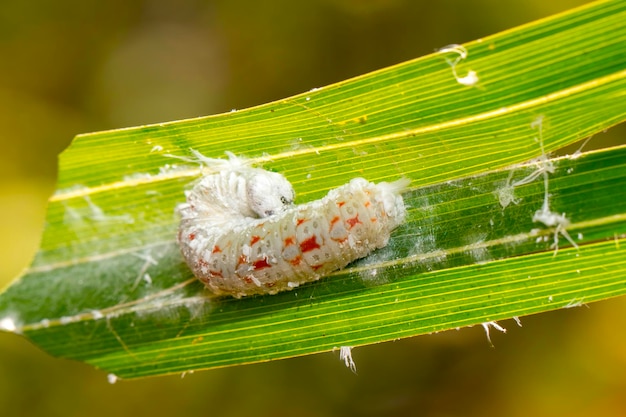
(109,287)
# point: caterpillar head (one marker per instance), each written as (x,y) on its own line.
(269,193)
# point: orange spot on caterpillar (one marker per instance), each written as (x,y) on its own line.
(216,249)
(367,203)
(291,240)
(191,236)
(243,259)
(333,221)
(353,221)
(300,221)
(309,244)
(296,261)
(254,240)
(340,203)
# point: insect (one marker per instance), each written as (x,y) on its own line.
(241,234)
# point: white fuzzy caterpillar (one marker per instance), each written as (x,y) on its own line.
(240,233)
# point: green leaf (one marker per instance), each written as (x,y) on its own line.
(109,287)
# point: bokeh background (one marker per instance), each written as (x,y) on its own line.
(73,66)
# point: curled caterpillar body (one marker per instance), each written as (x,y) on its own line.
(239,245)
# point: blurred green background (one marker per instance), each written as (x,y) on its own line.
(73,66)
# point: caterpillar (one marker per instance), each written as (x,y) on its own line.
(241,234)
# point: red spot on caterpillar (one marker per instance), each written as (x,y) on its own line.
(296,261)
(316,267)
(333,221)
(191,236)
(309,244)
(261,263)
(340,203)
(243,259)
(300,221)
(248,280)
(254,240)
(216,249)
(291,240)
(217,274)
(353,221)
